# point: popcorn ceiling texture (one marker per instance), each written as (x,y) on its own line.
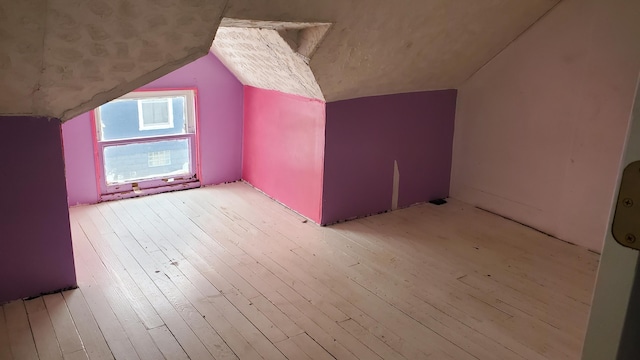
(380,47)
(63,57)
(262,58)
(21,53)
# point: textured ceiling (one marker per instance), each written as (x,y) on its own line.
(62,57)
(381,47)
(262,58)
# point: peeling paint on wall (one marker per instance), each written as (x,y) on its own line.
(35,240)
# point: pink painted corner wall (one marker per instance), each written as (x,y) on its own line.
(79,160)
(220,109)
(540,129)
(35,235)
(283,148)
(365,136)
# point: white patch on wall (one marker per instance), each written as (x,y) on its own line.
(396,186)
(274,56)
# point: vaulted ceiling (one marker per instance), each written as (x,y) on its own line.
(60,58)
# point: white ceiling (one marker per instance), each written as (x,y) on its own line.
(63,57)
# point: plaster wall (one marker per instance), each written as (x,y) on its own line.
(540,129)
(364,137)
(283,148)
(220,99)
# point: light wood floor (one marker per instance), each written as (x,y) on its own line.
(224,273)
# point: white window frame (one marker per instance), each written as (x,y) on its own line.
(158,126)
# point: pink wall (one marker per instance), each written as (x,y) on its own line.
(220,108)
(79,160)
(35,235)
(284,148)
(539,130)
(365,136)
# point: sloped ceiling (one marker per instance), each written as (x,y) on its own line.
(62,57)
(262,58)
(382,47)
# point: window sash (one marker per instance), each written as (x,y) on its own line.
(146,95)
(167,101)
(149,182)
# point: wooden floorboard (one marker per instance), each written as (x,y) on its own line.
(42,330)
(224,272)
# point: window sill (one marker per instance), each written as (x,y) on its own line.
(150,191)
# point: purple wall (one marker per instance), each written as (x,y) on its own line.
(220,107)
(35,235)
(365,136)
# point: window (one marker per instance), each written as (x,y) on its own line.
(148,139)
(155,114)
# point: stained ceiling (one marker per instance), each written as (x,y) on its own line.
(60,58)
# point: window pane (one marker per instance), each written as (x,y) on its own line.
(158,159)
(155,114)
(121,119)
